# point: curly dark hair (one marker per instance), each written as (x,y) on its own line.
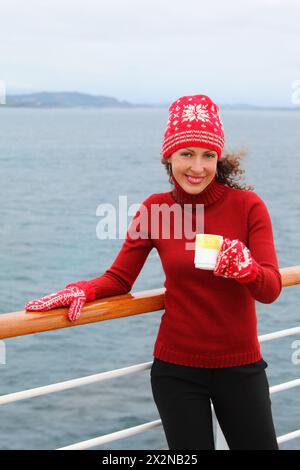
(229,171)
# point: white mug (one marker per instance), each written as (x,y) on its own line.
(207,247)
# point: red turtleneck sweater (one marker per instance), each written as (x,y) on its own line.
(209,321)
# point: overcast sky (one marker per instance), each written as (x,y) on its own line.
(153,50)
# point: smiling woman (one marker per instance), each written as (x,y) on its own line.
(207,340)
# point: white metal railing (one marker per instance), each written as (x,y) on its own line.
(112,436)
(289,436)
(220,441)
(279,334)
(57,387)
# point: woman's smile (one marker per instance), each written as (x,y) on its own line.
(193,179)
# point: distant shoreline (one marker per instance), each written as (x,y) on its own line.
(86,108)
(76,100)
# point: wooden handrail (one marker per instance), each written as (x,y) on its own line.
(290,276)
(25,323)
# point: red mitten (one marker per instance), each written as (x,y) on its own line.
(74,295)
(235,261)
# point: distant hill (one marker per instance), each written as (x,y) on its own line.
(66,100)
(70,99)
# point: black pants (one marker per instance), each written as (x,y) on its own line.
(240,397)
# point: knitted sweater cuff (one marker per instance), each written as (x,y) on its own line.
(253,274)
(87,287)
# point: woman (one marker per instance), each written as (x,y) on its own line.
(207,349)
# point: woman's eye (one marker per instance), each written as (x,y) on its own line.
(187,153)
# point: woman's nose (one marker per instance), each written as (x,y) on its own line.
(198,166)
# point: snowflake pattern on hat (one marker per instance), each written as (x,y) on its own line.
(198,112)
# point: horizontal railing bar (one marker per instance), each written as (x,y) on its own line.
(57,387)
(68,384)
(113,436)
(284,386)
(25,323)
(288,437)
(290,276)
(279,334)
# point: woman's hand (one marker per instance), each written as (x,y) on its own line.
(74,295)
(234,260)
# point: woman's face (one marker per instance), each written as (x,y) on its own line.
(196,162)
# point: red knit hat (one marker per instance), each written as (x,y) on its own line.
(193,120)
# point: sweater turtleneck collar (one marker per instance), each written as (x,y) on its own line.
(213,191)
